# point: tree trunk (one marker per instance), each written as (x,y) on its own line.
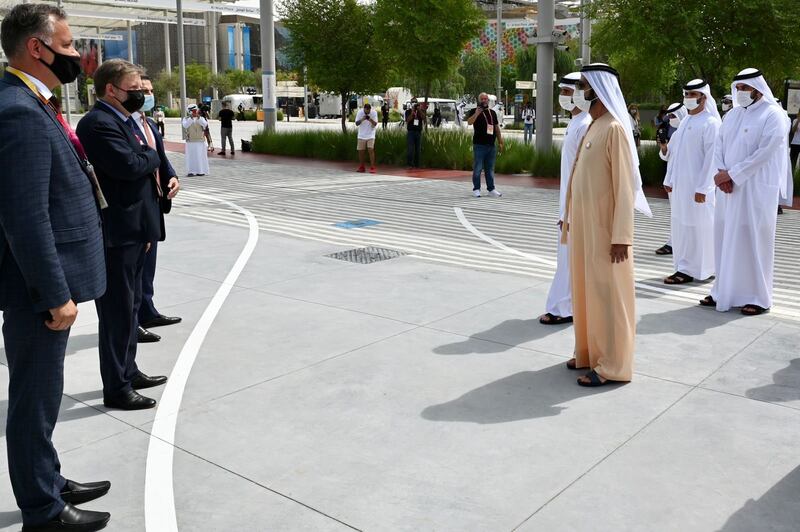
(345,101)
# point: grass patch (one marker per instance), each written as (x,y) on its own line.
(653,169)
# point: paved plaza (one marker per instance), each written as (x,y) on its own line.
(419,392)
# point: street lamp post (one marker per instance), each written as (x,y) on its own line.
(499,50)
(181,55)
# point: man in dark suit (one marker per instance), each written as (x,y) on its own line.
(149,317)
(126,167)
(51,257)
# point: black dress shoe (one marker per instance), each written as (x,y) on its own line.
(74,520)
(161,321)
(146,337)
(142,381)
(75,493)
(130,401)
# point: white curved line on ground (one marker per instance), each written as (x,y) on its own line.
(159,496)
(472,229)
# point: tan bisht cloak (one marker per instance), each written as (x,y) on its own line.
(601,204)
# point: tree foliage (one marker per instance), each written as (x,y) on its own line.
(415,35)
(335,40)
(479,72)
(660,45)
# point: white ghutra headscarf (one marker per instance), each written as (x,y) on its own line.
(605,82)
(701,85)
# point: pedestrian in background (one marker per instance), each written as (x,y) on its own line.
(415,120)
(226,116)
(529,122)
(367,122)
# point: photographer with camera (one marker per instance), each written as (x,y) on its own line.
(669,125)
(415,120)
(486,132)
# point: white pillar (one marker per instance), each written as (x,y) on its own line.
(167,57)
(586,33)
(545,50)
(268,64)
(238,44)
(181,55)
(130,42)
(212,35)
(99,49)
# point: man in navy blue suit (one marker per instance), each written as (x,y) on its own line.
(170,185)
(127,168)
(51,257)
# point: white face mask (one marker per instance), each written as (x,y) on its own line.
(726,106)
(580,100)
(691,103)
(566,103)
(744,98)
(675,122)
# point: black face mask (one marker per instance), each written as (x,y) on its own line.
(134,102)
(65,67)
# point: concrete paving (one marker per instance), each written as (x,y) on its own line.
(420,393)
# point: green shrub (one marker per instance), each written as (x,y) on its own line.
(653,169)
(395,116)
(648,132)
(250,115)
(172,113)
(279,116)
(440,149)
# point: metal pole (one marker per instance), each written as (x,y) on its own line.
(99,49)
(499,51)
(181,55)
(268,64)
(213,37)
(586,33)
(66,104)
(305,93)
(130,43)
(545,51)
(167,57)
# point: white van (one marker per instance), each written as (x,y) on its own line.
(249,102)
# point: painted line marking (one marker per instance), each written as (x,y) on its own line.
(159,495)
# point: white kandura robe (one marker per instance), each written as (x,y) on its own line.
(690,170)
(196,152)
(751,146)
(559,299)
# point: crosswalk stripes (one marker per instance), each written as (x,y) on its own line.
(417,216)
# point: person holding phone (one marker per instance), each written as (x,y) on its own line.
(487,142)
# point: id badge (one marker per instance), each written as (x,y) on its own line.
(489,130)
(416,121)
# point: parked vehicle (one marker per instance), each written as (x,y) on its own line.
(448,108)
(249,102)
(397,96)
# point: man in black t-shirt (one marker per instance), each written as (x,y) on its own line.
(226,116)
(415,120)
(486,132)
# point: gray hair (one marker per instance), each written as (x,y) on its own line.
(25,21)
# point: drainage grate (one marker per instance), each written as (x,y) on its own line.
(367,255)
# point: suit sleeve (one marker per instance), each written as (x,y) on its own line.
(25,156)
(622,185)
(109,149)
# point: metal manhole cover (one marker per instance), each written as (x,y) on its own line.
(367,255)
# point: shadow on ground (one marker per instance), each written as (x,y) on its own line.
(516,332)
(778,510)
(785,387)
(523,395)
(693,321)
(9,519)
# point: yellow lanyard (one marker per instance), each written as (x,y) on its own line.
(24,78)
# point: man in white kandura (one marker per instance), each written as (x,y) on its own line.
(750,154)
(196,154)
(690,182)
(559,300)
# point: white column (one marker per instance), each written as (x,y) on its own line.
(167,57)
(212,35)
(99,49)
(181,55)
(130,42)
(268,64)
(545,50)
